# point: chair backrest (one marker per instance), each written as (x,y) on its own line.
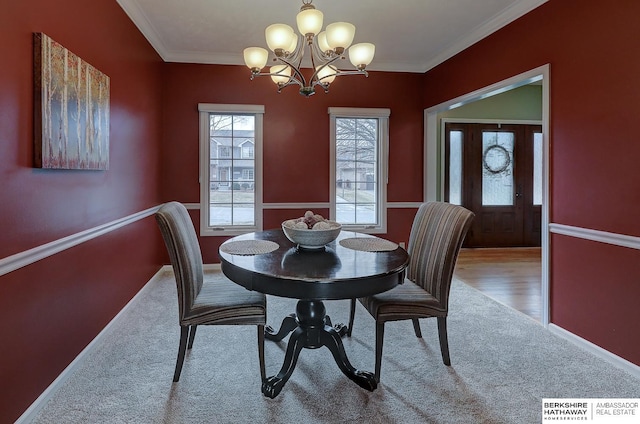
(184,251)
(437,233)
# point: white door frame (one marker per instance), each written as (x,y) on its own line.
(433,151)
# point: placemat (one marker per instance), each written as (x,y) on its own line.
(368,244)
(249,247)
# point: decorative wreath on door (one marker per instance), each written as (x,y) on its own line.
(496,159)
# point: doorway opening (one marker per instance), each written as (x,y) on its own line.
(435,152)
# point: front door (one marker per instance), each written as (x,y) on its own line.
(495,171)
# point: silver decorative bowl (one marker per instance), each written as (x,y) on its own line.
(312,239)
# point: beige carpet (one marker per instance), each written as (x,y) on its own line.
(503,364)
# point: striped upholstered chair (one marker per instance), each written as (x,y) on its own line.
(436,236)
(203,300)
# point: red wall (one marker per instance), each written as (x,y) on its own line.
(50,310)
(607,284)
(296,137)
(591,47)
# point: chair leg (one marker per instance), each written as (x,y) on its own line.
(192,336)
(444,343)
(379,340)
(416,328)
(184,333)
(352,314)
(263,373)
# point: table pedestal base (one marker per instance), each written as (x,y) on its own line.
(312,329)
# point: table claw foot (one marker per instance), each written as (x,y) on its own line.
(272,386)
(364,379)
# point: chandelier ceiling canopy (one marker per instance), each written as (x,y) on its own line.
(324,47)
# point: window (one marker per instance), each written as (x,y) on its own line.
(359,146)
(230,169)
(247,150)
(247,174)
(498,180)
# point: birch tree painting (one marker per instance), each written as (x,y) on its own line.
(71,109)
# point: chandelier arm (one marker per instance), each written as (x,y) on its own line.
(313,66)
(292,80)
(322,56)
(355,72)
(298,53)
(314,77)
(296,70)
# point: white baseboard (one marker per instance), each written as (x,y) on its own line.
(31,412)
(613,359)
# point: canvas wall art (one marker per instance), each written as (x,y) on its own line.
(71,109)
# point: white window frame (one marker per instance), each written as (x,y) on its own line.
(382,115)
(204,110)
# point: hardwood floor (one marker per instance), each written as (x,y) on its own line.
(511,276)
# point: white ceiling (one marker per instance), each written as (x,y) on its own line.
(410,35)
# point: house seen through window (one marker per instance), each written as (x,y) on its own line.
(230,185)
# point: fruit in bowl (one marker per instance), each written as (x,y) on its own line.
(311,231)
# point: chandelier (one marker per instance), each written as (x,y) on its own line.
(325,48)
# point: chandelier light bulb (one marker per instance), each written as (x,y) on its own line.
(340,35)
(326,74)
(361,54)
(294,44)
(309,21)
(280,73)
(255,58)
(322,42)
(279,36)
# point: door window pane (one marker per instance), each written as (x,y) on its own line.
(455,167)
(537,168)
(497,168)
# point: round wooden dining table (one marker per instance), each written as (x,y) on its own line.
(354,265)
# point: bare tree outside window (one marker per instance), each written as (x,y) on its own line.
(357,146)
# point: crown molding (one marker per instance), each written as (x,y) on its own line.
(204,57)
(140,20)
(509,15)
